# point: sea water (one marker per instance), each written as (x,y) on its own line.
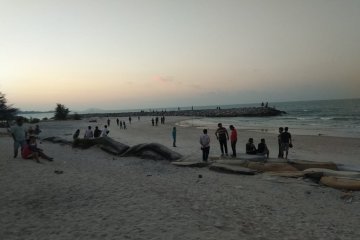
(323,117)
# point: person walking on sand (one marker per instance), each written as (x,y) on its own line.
(286,142)
(205,145)
(281,153)
(233,140)
(18,132)
(223,136)
(174,136)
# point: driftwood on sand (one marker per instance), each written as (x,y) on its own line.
(153,151)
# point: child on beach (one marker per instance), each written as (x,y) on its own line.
(31,151)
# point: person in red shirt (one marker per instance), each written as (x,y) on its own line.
(31,151)
(233,140)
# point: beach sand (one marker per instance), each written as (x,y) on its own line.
(101,196)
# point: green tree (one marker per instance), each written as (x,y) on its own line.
(61,112)
(7,112)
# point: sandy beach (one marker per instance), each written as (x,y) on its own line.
(101,196)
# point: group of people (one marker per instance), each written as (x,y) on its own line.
(26,140)
(89,133)
(222,136)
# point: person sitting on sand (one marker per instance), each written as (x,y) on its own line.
(31,151)
(263,149)
(250,147)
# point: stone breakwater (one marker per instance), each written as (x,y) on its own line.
(232,112)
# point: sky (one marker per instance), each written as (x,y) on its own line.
(139,54)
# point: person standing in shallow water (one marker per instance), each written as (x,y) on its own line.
(285,142)
(281,153)
(223,136)
(233,140)
(205,145)
(174,136)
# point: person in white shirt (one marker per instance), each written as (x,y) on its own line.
(88,133)
(105,131)
(205,145)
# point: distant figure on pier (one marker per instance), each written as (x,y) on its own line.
(97,132)
(174,136)
(205,145)
(281,153)
(223,136)
(233,140)
(286,141)
(263,149)
(250,147)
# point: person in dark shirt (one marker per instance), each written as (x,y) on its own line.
(281,153)
(97,132)
(262,148)
(223,136)
(286,141)
(250,147)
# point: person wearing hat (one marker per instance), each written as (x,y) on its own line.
(250,147)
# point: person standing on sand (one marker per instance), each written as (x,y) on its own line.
(223,136)
(18,132)
(281,153)
(108,122)
(233,140)
(286,142)
(174,136)
(205,145)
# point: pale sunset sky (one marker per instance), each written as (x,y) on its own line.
(139,54)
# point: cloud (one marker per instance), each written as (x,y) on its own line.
(163,79)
